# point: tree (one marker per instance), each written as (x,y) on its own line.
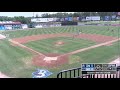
(22,19)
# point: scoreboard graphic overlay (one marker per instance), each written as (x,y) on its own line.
(98,69)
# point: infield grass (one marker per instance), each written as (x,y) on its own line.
(49,45)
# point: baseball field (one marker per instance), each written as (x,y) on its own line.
(25,50)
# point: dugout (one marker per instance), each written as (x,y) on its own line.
(9,25)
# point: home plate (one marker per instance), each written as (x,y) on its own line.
(49,59)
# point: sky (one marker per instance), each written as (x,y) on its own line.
(25,14)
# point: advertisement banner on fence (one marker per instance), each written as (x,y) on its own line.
(80,18)
(88,18)
(56,19)
(39,20)
(113,17)
(42,19)
(70,19)
(50,19)
(94,18)
(77,18)
(62,19)
(74,18)
(66,19)
(107,18)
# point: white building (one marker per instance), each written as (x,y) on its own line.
(24,26)
(93,18)
(45,22)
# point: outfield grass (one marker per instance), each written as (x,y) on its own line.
(13,60)
(103,30)
(70,44)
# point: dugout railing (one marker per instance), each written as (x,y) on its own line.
(76,73)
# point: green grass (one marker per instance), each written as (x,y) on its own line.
(103,30)
(103,54)
(70,44)
(102,22)
(16,62)
(13,60)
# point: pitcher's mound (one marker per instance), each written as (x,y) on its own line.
(58,43)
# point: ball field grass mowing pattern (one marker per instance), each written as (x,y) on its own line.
(16,62)
(103,30)
(49,46)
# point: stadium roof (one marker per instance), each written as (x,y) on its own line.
(9,23)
